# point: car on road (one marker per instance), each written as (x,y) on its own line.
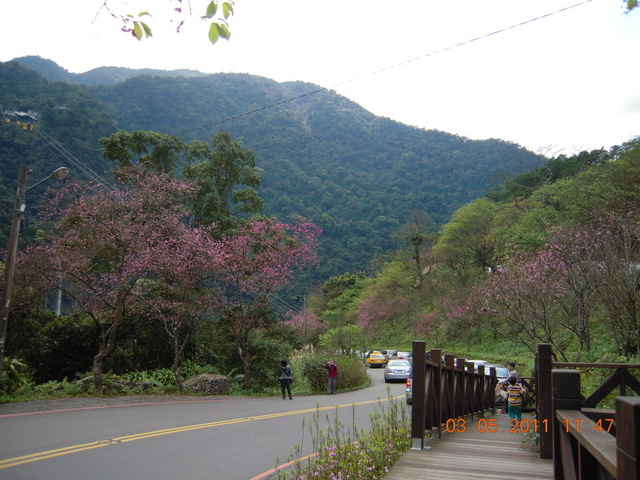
(402,355)
(502,372)
(477,363)
(397,369)
(408,390)
(376,360)
(388,353)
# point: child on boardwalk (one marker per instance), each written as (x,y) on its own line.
(515,393)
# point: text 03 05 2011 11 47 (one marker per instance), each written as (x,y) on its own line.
(490,425)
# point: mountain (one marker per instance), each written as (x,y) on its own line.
(322,156)
(103,75)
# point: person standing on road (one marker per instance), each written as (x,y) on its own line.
(285,377)
(332,377)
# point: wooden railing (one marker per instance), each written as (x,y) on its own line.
(445,388)
(584,441)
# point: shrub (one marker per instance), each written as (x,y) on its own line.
(351,371)
(14,375)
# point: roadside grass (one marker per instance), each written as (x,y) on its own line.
(344,452)
(310,379)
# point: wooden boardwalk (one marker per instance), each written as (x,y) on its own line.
(500,455)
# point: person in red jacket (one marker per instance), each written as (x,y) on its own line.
(332,377)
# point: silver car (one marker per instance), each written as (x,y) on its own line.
(397,370)
(502,372)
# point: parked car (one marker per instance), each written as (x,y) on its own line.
(408,390)
(502,372)
(388,353)
(376,360)
(397,370)
(402,355)
(477,363)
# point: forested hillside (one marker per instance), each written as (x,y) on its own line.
(551,256)
(322,156)
(69,122)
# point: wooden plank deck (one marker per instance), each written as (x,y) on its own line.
(473,455)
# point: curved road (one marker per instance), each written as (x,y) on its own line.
(205,438)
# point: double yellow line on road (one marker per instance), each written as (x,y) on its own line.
(35,457)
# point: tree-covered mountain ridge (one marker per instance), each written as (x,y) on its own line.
(322,156)
(102,75)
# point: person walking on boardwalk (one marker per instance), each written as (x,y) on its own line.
(332,377)
(286,378)
(511,366)
(515,393)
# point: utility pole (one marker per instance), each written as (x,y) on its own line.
(12,250)
(10,264)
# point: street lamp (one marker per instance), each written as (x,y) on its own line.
(12,249)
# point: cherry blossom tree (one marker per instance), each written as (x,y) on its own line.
(571,256)
(174,293)
(554,295)
(618,265)
(520,303)
(104,246)
(306,324)
(260,257)
(128,253)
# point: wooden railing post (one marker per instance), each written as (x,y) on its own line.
(543,398)
(418,410)
(627,442)
(450,409)
(436,357)
(565,387)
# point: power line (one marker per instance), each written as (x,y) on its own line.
(397,65)
(71,161)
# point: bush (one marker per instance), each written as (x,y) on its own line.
(53,347)
(351,371)
(14,375)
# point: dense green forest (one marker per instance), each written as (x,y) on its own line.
(321,156)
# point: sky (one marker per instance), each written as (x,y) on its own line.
(555,76)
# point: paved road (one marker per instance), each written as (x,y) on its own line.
(167,438)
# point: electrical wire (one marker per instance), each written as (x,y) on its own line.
(385,69)
(72,162)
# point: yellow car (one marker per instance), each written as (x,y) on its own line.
(376,360)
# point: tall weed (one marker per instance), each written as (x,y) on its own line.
(343,452)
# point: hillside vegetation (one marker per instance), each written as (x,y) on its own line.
(424,234)
(551,256)
(321,156)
